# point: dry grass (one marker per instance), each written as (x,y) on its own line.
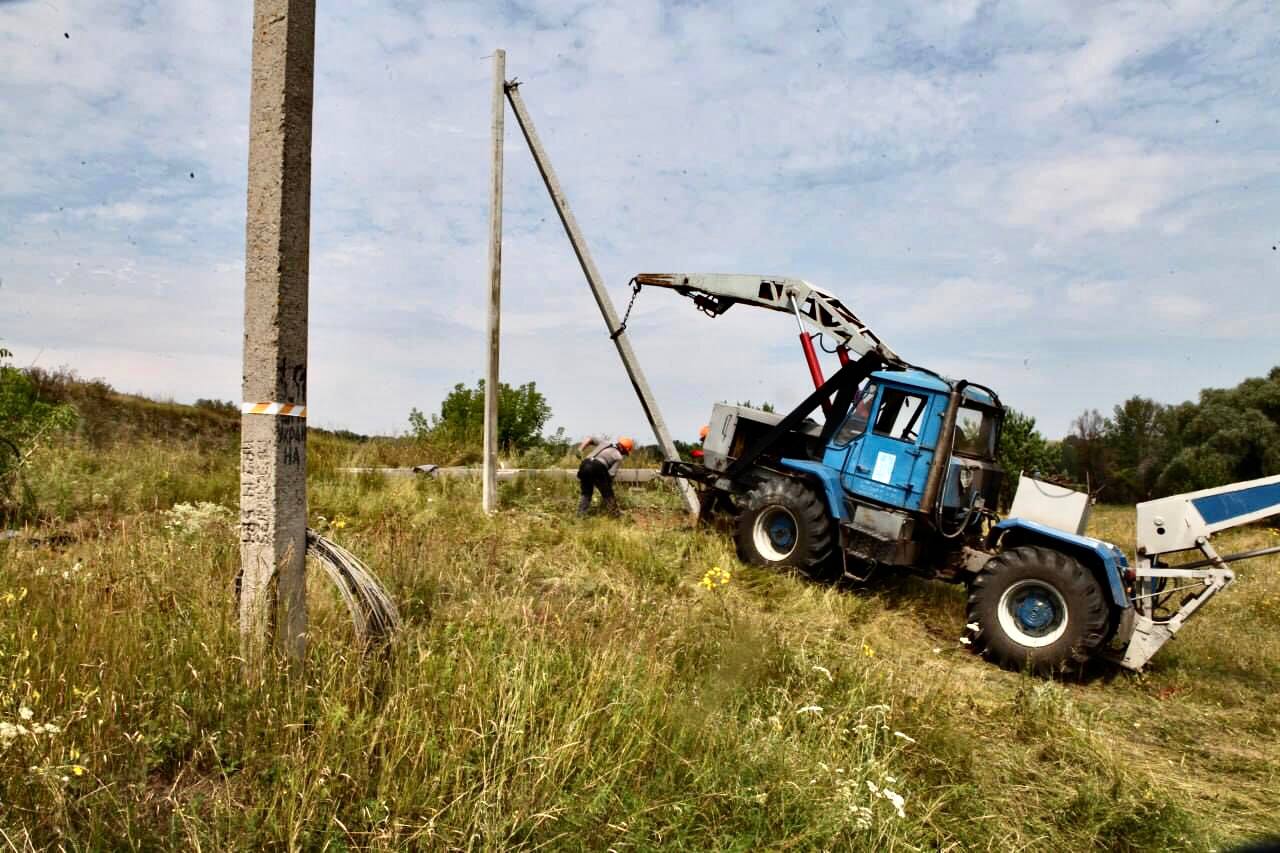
(572,685)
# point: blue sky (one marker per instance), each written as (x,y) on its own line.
(1070,203)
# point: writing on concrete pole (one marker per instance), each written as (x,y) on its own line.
(273,438)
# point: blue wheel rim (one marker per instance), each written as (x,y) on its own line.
(1035,612)
(1032,613)
(782,532)
(776,533)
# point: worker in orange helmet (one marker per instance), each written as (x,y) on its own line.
(697,452)
(598,470)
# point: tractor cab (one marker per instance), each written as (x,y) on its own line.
(887,444)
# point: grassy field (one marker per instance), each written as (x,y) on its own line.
(580,685)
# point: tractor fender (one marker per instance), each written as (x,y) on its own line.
(826,477)
(1105,560)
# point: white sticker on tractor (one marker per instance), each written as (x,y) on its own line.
(883,472)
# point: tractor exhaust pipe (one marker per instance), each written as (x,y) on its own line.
(942,451)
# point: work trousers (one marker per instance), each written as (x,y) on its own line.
(594,474)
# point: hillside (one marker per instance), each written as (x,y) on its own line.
(572,685)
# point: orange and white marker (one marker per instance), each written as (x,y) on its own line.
(292,410)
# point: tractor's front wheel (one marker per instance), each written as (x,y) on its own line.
(783,522)
(1038,608)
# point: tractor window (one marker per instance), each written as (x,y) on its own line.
(900,415)
(856,423)
(975,432)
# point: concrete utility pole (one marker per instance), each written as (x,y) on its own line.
(273,427)
(619,334)
(490,488)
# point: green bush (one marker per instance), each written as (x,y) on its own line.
(26,421)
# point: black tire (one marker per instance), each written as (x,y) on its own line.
(1037,608)
(770,508)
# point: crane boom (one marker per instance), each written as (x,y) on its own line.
(715,293)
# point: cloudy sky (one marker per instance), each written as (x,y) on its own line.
(1070,204)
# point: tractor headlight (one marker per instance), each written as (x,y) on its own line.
(966,478)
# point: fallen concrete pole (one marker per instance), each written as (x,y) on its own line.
(626,476)
(617,330)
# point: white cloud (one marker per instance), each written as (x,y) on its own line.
(1093,295)
(1179,308)
(1111,189)
(963,304)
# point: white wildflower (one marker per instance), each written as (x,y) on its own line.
(194,519)
(810,709)
(25,713)
(908,738)
(861,817)
(897,799)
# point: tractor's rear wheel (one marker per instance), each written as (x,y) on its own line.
(1037,608)
(783,522)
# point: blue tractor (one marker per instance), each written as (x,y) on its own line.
(890,466)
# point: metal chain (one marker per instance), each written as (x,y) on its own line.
(622,327)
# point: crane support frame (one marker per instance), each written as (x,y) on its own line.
(1181,523)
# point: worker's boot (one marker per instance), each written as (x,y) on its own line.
(584,505)
(611,507)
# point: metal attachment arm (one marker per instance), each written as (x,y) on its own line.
(715,293)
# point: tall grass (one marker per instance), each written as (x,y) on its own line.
(566,684)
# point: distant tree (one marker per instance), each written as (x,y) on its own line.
(1023,449)
(763,407)
(522,413)
(1085,451)
(1219,441)
(1135,442)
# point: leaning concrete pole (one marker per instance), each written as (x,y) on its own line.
(273,427)
(616,331)
(489,491)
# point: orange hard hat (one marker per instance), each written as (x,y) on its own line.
(704,432)
(626,444)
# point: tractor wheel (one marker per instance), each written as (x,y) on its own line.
(1037,608)
(783,522)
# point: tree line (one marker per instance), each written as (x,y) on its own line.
(1145,449)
